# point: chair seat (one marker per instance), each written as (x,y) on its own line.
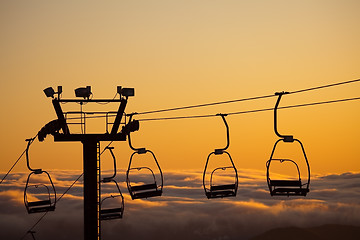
(41,209)
(39,203)
(112,213)
(147,194)
(222,187)
(285,183)
(143,187)
(110,210)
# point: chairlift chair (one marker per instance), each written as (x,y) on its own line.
(284,187)
(152,188)
(223,190)
(46,194)
(45,203)
(107,179)
(109,213)
(144,190)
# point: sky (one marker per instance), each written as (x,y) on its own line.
(179,53)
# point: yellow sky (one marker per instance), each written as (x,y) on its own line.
(177,53)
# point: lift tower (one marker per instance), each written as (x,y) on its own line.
(91,148)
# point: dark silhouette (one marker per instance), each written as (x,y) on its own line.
(91,149)
(52,128)
(47,195)
(225,190)
(150,189)
(109,213)
(286,187)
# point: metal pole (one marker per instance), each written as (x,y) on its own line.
(60,116)
(91,219)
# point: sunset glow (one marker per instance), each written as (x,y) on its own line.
(176,54)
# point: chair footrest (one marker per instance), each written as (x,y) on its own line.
(41,209)
(110,216)
(290,191)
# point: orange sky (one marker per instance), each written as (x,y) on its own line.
(177,53)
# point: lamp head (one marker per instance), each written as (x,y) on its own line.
(84,92)
(49,92)
(127,92)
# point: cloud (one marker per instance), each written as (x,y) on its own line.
(183,212)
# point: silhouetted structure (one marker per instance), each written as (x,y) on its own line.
(223,190)
(286,187)
(148,189)
(109,213)
(91,152)
(46,192)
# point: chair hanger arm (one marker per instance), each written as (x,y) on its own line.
(220,150)
(287,138)
(108,179)
(139,150)
(30,141)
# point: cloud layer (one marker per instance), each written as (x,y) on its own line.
(183,212)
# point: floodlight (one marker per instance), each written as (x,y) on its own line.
(49,92)
(84,92)
(128,92)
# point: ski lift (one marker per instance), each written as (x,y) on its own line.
(213,190)
(45,193)
(149,186)
(285,187)
(107,211)
(107,179)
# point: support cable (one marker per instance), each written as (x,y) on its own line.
(252,111)
(66,191)
(108,102)
(41,218)
(206,104)
(229,101)
(38,221)
(22,154)
(247,99)
(298,105)
(325,86)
